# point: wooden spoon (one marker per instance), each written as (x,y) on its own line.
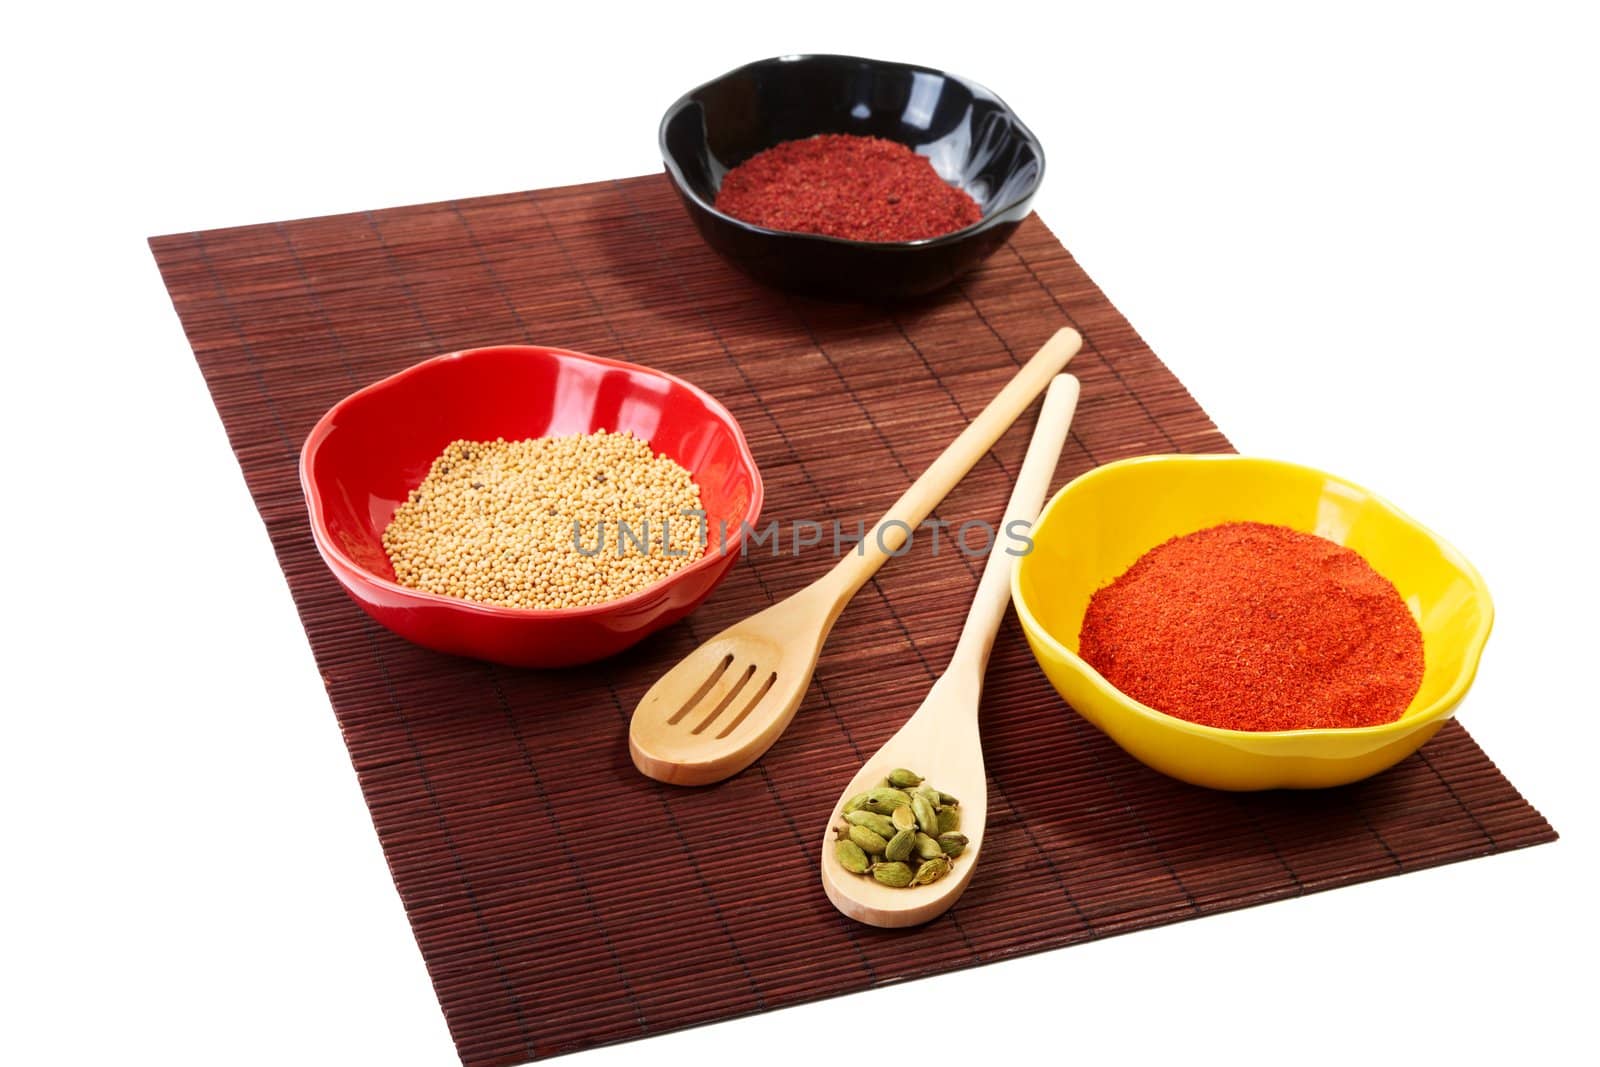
(719,709)
(941,739)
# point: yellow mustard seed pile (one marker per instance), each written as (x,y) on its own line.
(494,521)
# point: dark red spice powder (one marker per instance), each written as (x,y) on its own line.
(861,188)
(1248,626)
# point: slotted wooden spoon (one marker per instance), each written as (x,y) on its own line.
(941,739)
(719,709)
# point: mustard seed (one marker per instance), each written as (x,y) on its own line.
(548,522)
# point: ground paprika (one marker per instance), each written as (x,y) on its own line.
(841,185)
(1247,626)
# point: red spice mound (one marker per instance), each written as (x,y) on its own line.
(862,188)
(1247,626)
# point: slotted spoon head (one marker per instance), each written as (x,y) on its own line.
(719,709)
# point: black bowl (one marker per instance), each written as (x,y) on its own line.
(972,138)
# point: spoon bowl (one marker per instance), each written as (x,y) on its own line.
(941,742)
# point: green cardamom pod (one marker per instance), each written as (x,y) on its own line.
(878,824)
(953,844)
(884,800)
(901,778)
(931,871)
(856,802)
(949,819)
(851,857)
(899,846)
(897,875)
(903,818)
(924,813)
(928,793)
(926,847)
(947,799)
(870,843)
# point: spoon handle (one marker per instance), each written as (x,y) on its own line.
(892,531)
(1027,498)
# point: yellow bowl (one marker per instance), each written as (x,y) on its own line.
(1099,524)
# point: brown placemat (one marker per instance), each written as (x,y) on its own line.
(560,899)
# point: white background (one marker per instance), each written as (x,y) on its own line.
(1365,237)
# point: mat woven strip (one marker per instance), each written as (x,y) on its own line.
(501,796)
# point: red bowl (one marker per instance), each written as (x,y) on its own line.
(375,446)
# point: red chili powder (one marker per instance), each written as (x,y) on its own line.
(1247,626)
(862,188)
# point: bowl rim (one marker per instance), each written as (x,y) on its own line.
(325,428)
(988,220)
(1439,709)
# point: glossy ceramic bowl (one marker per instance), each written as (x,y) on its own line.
(376,445)
(1098,525)
(972,138)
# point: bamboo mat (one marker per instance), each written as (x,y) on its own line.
(560,899)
